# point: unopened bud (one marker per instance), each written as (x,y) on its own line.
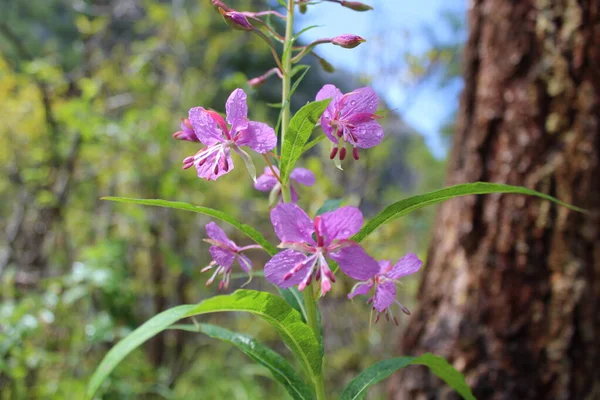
(236,20)
(302,8)
(356,6)
(347,41)
(217,4)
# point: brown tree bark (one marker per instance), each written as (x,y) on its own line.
(511,289)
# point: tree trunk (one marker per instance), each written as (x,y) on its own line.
(511,290)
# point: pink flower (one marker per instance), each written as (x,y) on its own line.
(186,132)
(350,118)
(224,252)
(269,182)
(385,284)
(210,129)
(306,256)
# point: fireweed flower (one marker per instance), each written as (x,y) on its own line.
(308,243)
(224,252)
(350,118)
(186,132)
(269,182)
(385,284)
(210,129)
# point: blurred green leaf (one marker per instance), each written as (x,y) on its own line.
(357,388)
(282,371)
(407,205)
(330,205)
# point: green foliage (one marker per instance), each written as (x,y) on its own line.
(287,321)
(282,371)
(405,206)
(357,388)
(301,126)
(330,205)
(247,229)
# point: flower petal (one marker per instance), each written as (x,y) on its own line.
(409,264)
(362,100)
(329,92)
(215,165)
(367,134)
(244,262)
(259,136)
(223,257)
(303,176)
(361,288)
(355,262)
(291,224)
(237,110)
(385,294)
(341,223)
(217,234)
(280,265)
(266,181)
(206,128)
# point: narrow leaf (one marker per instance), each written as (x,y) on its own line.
(247,229)
(295,333)
(281,370)
(330,205)
(407,205)
(294,298)
(299,131)
(313,143)
(357,388)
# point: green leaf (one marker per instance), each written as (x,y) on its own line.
(407,205)
(295,333)
(330,205)
(313,143)
(299,131)
(357,388)
(295,70)
(247,229)
(282,371)
(294,298)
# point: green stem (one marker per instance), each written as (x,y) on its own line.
(311,316)
(287,84)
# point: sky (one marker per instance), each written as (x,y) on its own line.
(393,28)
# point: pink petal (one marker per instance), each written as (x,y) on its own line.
(361,288)
(385,294)
(368,134)
(223,257)
(291,224)
(362,100)
(266,181)
(341,223)
(205,126)
(329,92)
(280,265)
(237,110)
(217,234)
(244,262)
(258,136)
(409,264)
(208,168)
(355,262)
(303,176)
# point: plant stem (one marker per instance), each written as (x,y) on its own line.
(287,83)
(311,316)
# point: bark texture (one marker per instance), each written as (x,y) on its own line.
(511,291)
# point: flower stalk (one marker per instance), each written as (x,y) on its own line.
(286,70)
(311,306)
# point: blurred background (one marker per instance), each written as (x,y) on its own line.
(90,93)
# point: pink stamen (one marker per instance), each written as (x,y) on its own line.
(333,153)
(342,153)
(355,153)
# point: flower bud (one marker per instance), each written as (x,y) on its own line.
(217,4)
(236,20)
(356,6)
(347,41)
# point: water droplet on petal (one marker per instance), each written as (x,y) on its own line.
(353,103)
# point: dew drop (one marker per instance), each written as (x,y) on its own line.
(353,103)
